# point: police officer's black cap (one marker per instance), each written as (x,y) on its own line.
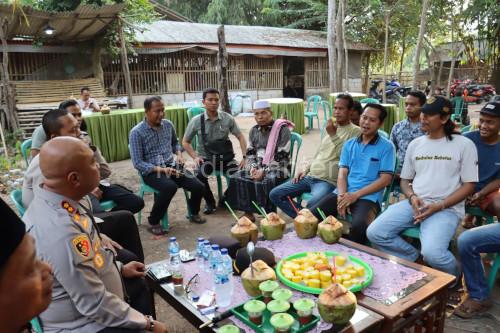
(12,231)
(492,109)
(242,260)
(231,244)
(437,105)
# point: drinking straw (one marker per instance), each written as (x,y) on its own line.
(323,216)
(231,211)
(260,209)
(293,205)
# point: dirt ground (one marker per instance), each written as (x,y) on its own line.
(221,221)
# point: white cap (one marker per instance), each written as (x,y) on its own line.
(261,104)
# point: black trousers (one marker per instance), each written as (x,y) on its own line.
(124,199)
(206,169)
(167,186)
(363,212)
(137,288)
(121,227)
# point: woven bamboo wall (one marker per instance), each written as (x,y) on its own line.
(316,73)
(186,71)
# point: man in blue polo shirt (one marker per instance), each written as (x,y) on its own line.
(366,167)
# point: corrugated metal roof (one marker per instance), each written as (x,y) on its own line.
(84,23)
(169,32)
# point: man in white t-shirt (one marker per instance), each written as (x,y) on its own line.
(87,103)
(439,172)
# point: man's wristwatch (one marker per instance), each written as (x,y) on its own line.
(150,325)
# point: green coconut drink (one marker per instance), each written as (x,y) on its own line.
(336,304)
(261,272)
(272,226)
(306,224)
(245,231)
(330,230)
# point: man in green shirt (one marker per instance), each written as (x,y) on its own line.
(214,150)
(320,176)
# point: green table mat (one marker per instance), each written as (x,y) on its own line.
(293,112)
(110,132)
(356,96)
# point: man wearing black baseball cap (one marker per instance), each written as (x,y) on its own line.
(439,172)
(485,239)
(25,281)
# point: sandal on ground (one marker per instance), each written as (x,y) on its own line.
(157,230)
(470,308)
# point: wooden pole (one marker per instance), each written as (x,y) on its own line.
(8,91)
(124,61)
(332,52)
(222,70)
(344,43)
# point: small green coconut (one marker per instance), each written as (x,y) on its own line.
(330,230)
(245,231)
(306,224)
(272,227)
(262,272)
(336,304)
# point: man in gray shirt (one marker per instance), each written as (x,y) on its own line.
(88,292)
(212,129)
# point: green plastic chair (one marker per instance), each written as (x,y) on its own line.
(369,100)
(17,198)
(295,142)
(313,103)
(465,129)
(327,114)
(459,105)
(35,325)
(383,134)
(107,205)
(145,188)
(25,150)
(194,111)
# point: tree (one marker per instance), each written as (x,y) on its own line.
(246,12)
(416,62)
(332,51)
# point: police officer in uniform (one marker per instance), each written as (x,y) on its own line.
(88,292)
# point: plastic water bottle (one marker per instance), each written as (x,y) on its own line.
(199,252)
(175,261)
(207,249)
(215,258)
(223,290)
(227,263)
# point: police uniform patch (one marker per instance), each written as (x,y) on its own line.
(97,245)
(98,260)
(82,246)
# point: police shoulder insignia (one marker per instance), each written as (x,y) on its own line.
(81,244)
(98,260)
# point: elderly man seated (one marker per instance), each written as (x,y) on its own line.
(89,294)
(268,162)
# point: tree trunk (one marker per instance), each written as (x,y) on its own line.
(96,60)
(8,90)
(421,33)
(340,58)
(222,70)
(124,61)
(386,45)
(453,57)
(344,44)
(401,60)
(366,84)
(440,72)
(332,52)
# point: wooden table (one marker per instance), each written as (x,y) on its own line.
(364,320)
(421,309)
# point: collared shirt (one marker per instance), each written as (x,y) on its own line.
(366,162)
(325,164)
(402,134)
(87,293)
(215,130)
(151,147)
